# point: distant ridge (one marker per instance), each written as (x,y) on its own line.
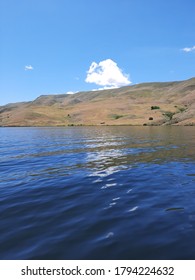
(159,103)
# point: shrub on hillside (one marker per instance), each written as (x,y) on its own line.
(155,107)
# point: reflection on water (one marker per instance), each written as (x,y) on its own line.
(97,193)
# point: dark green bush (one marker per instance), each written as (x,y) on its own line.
(155,107)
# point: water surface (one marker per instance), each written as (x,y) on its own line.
(97,193)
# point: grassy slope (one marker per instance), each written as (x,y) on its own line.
(127,105)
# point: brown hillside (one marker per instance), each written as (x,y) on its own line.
(170,103)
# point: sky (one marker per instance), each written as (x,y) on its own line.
(66,46)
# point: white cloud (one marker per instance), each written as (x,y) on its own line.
(70,92)
(28,67)
(189,49)
(107,74)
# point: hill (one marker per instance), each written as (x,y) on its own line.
(167,103)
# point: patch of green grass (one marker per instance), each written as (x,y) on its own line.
(169,115)
(182,109)
(34,115)
(116,117)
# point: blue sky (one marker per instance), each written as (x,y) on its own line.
(59,46)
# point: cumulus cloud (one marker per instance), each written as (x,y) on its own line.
(189,49)
(107,74)
(28,67)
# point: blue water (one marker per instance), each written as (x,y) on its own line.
(97,193)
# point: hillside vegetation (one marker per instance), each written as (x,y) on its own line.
(169,103)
